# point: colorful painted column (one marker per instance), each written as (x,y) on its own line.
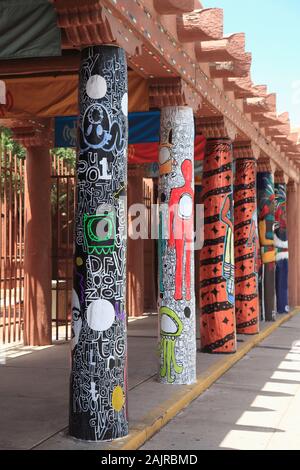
(245,242)
(176,247)
(297,228)
(292,216)
(98,402)
(281,245)
(266,221)
(218,332)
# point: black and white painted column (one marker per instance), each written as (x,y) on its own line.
(176,247)
(98,388)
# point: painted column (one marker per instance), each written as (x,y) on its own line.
(37,252)
(281,245)
(176,247)
(245,241)
(218,332)
(298,240)
(292,216)
(98,402)
(266,221)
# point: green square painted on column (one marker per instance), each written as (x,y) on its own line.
(28,29)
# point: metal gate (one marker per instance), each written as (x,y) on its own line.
(11,247)
(63,210)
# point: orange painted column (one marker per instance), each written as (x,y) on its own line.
(37,250)
(245,241)
(298,244)
(218,331)
(292,227)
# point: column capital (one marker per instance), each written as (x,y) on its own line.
(265,164)
(216,127)
(243,151)
(86,23)
(33,132)
(135,170)
(172,92)
(291,186)
(280,177)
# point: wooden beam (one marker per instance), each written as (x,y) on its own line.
(43,65)
(200,25)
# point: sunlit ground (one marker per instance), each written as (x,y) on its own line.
(275,420)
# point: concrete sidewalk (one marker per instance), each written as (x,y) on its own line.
(254,406)
(34,389)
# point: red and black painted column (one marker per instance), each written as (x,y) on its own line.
(218,331)
(245,242)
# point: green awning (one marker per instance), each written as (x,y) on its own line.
(28,28)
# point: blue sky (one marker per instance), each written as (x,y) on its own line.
(272,30)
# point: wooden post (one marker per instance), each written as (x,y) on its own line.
(292,227)
(135,246)
(37,249)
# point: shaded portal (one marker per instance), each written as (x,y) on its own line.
(176,247)
(218,332)
(98,388)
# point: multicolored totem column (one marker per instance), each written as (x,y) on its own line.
(218,332)
(281,245)
(266,221)
(176,247)
(98,407)
(245,242)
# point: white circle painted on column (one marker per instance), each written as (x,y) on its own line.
(186,206)
(168,325)
(96,87)
(124,104)
(100,315)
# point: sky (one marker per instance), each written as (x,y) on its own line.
(272,30)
